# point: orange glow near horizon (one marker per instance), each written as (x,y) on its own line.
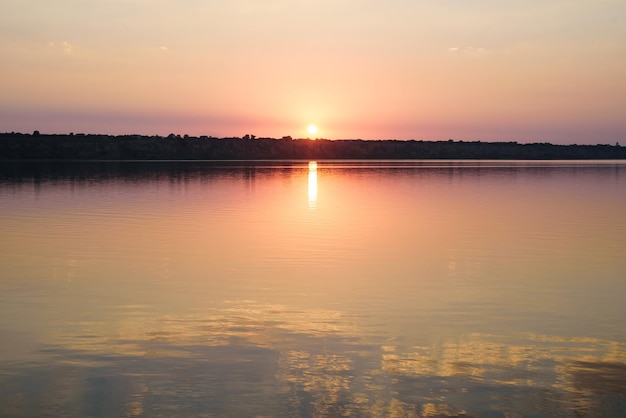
(229,68)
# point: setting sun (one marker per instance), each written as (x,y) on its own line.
(312,129)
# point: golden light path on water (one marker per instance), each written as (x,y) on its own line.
(312,184)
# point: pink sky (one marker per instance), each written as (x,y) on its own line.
(529,71)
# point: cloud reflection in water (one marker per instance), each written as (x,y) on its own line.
(287,362)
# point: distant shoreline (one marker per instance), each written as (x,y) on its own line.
(19,146)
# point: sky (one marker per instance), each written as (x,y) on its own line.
(491,70)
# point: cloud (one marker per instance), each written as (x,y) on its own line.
(480,51)
(475,51)
(65,46)
(469,50)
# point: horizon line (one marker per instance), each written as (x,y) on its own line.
(251,137)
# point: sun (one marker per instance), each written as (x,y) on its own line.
(312,129)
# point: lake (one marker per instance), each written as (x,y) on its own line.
(313,289)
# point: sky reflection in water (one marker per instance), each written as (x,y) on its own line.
(389,289)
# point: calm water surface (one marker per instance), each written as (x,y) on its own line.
(384,288)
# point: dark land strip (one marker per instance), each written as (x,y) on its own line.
(19,146)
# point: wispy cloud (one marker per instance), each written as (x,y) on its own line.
(469,50)
(64,46)
(67,47)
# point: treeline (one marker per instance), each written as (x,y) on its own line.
(17,146)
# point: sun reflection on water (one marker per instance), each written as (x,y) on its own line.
(312,184)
